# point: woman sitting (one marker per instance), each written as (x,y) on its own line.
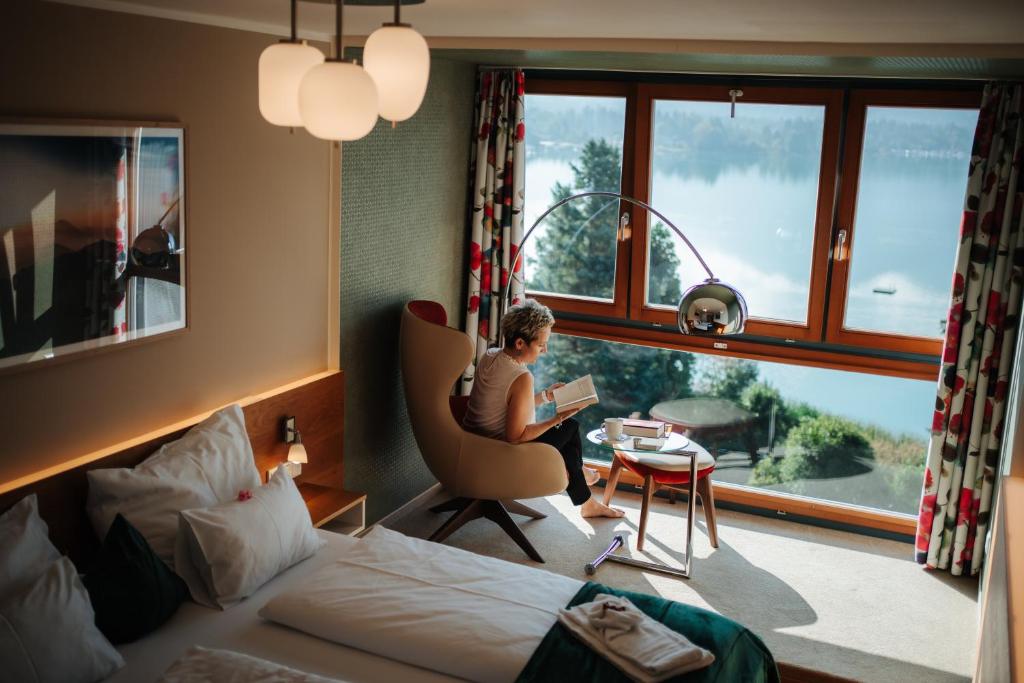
(503,404)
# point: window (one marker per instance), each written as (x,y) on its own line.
(834,210)
(838,241)
(844,437)
(898,220)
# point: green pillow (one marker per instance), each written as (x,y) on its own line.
(131,589)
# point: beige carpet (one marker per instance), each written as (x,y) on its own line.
(828,600)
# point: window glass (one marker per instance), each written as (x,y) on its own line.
(744,190)
(573,144)
(833,435)
(909,201)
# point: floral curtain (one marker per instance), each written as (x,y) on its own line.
(497,171)
(981,329)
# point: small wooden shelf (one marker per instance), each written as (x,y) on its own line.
(336,510)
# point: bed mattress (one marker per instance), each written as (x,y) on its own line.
(241,629)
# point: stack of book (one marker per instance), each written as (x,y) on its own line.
(654,429)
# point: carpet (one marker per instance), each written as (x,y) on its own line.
(832,601)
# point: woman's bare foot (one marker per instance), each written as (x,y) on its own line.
(595,508)
(591,476)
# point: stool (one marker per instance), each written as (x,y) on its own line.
(662,470)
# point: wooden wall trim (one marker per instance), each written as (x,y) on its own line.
(317,402)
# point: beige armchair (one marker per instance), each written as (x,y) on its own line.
(485,475)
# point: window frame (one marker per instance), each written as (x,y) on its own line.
(840,255)
(831,100)
(617,308)
(821,340)
(823,343)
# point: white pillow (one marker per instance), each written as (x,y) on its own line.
(47,632)
(25,548)
(226,552)
(210,464)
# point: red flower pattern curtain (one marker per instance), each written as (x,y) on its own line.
(497,170)
(981,330)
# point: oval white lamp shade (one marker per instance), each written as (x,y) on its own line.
(297,453)
(281,68)
(398,60)
(338,101)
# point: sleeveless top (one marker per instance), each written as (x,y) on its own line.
(488,401)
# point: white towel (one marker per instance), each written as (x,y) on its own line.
(641,647)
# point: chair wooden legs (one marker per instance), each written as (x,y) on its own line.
(705,491)
(613,480)
(496,512)
(645,504)
(468,509)
(518,508)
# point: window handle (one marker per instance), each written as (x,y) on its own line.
(840,245)
(625,231)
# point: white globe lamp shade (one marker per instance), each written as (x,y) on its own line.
(338,101)
(281,69)
(398,60)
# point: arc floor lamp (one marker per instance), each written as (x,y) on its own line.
(708,308)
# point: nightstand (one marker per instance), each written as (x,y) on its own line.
(337,510)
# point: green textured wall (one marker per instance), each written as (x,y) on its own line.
(403,236)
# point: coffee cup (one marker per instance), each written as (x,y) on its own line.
(613,428)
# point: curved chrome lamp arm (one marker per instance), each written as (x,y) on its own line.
(614,195)
(699,308)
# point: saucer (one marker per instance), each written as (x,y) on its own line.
(604,437)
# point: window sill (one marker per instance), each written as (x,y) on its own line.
(784,505)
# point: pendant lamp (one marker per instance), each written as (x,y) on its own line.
(281,69)
(338,99)
(398,60)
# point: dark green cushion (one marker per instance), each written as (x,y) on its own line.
(131,589)
(739,654)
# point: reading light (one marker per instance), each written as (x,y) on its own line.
(281,68)
(708,308)
(297,452)
(338,99)
(398,60)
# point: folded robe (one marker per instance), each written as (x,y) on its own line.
(739,654)
(642,648)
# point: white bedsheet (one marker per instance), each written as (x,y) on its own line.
(200,665)
(431,605)
(240,629)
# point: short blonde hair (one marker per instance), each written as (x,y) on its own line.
(525,321)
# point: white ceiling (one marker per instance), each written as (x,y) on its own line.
(977,22)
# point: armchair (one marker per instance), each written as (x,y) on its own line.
(485,475)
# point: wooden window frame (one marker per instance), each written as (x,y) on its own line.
(822,341)
(617,307)
(831,100)
(860,100)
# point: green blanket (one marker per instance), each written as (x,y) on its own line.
(739,654)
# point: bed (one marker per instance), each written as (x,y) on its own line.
(241,629)
(381,608)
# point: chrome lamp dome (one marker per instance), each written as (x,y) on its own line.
(708,308)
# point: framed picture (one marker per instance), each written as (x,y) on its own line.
(92,236)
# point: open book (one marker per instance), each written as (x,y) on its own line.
(578,393)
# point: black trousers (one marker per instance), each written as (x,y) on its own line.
(566,438)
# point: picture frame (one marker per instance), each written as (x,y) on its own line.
(93,218)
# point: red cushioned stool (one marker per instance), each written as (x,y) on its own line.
(671,471)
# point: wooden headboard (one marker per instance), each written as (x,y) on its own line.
(316,402)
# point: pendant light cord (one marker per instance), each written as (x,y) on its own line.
(398,12)
(339,8)
(294,35)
